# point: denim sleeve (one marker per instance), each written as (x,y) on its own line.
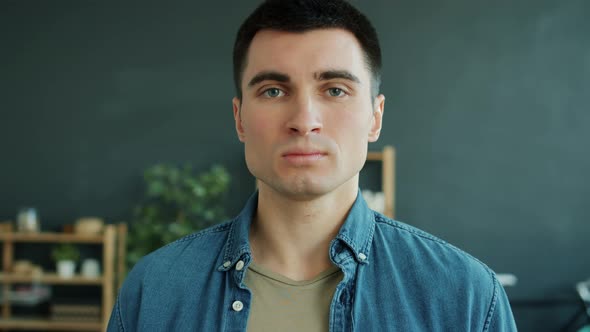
(115,324)
(500,318)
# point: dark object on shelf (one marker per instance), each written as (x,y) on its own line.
(68,228)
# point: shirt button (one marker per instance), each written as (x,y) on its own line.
(237,306)
(362,256)
(227,264)
(239,265)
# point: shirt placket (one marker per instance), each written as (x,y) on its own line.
(239,299)
(341,306)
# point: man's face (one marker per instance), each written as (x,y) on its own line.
(306,114)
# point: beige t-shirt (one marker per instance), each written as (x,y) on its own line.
(285,305)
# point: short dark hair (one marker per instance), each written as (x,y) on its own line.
(302,16)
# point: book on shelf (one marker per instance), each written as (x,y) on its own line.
(74,310)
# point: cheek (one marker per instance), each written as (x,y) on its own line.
(350,131)
(261,124)
(349,124)
(258,128)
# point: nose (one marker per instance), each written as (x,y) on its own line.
(305,117)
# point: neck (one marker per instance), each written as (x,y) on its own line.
(292,237)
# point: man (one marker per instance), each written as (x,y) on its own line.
(306,253)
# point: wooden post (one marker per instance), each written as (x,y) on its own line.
(388,177)
(121,254)
(108,259)
(7,264)
(7,257)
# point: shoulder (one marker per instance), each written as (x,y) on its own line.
(435,279)
(175,273)
(197,251)
(419,242)
(189,246)
(416,250)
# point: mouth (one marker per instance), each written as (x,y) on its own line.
(303,157)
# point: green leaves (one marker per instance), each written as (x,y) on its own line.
(177,202)
(65,251)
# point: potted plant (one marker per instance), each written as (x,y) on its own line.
(65,255)
(178,201)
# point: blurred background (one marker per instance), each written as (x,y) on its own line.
(487,108)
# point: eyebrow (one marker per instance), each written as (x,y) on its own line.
(269,76)
(320,76)
(334,74)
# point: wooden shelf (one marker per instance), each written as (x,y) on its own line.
(112,240)
(374,156)
(387,159)
(51,237)
(46,324)
(50,279)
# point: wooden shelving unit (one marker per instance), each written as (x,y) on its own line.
(112,240)
(387,159)
(47,325)
(49,279)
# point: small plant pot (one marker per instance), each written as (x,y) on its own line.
(66,269)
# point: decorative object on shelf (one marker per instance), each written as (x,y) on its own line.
(27,220)
(89,225)
(26,267)
(177,202)
(375,200)
(27,295)
(90,268)
(65,255)
(67,228)
(507,279)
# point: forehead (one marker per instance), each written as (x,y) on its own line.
(305,53)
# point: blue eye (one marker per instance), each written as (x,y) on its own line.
(273,92)
(335,92)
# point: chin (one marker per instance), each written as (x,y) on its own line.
(304,186)
(294,186)
(303,195)
(299,188)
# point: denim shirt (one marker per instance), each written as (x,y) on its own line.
(396,278)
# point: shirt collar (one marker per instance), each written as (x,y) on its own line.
(358,228)
(238,243)
(356,232)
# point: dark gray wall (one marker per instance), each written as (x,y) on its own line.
(486,104)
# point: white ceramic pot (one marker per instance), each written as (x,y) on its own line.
(66,269)
(90,268)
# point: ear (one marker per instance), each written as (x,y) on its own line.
(238,118)
(377,117)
